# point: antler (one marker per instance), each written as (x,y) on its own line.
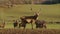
(39,11)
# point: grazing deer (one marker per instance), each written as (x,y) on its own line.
(40,24)
(2,25)
(29,19)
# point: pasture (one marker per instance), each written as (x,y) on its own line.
(47,13)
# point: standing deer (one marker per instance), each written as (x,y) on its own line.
(28,19)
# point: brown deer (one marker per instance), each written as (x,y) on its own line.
(40,24)
(29,19)
(2,25)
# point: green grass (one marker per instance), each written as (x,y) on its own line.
(28,26)
(53,26)
(47,13)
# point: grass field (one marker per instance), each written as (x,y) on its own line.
(47,13)
(28,26)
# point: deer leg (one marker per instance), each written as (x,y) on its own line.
(32,25)
(19,25)
(44,26)
(15,25)
(24,26)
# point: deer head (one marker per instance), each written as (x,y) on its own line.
(37,13)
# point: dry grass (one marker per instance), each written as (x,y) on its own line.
(29,31)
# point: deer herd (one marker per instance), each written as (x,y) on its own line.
(28,20)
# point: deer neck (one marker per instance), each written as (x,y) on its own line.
(35,16)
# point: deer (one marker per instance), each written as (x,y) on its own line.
(28,19)
(40,24)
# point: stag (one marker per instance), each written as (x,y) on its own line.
(28,19)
